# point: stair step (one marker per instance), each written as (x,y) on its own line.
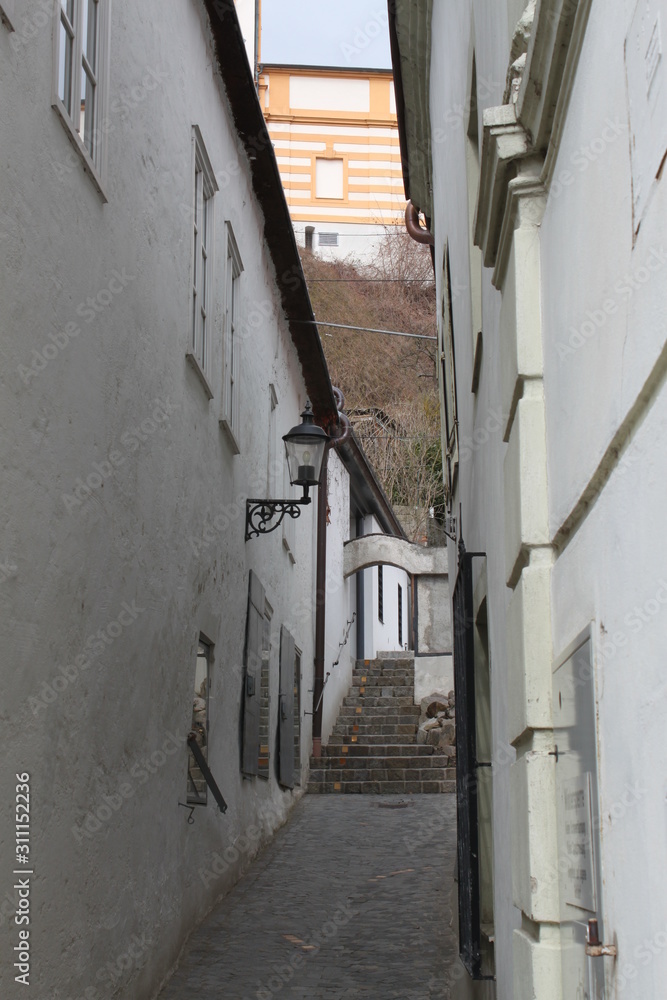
(383,787)
(349,763)
(373,747)
(390,729)
(377,750)
(382,774)
(366,703)
(383,688)
(398,675)
(380,711)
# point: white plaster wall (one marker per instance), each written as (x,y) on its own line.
(604,332)
(383,636)
(480,484)
(433,675)
(341,596)
(148,536)
(355,240)
(246,10)
(322,93)
(631,684)
(612,572)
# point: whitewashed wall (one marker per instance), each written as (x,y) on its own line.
(604,345)
(341,597)
(481,464)
(604,317)
(98,700)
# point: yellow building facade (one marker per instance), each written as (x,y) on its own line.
(335,134)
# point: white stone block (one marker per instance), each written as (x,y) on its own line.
(529,652)
(534,836)
(537,968)
(525,473)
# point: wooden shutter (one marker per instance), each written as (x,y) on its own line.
(252,674)
(286,709)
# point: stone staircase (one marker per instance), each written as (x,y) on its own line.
(373,746)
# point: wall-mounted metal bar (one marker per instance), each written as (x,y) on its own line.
(204,768)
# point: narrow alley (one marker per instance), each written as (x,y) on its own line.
(349,900)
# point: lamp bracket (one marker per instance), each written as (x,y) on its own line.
(261,514)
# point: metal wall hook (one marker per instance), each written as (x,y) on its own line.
(191,818)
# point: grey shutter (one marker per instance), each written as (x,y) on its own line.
(252,674)
(286,709)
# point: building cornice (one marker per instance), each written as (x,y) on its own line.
(332,118)
(306,70)
(505,142)
(239,85)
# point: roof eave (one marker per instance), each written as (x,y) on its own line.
(249,122)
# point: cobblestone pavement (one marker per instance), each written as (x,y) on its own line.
(351,899)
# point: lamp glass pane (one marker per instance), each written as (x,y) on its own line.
(304,460)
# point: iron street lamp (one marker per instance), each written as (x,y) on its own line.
(304,447)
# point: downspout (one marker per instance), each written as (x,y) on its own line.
(361,620)
(258,42)
(321,575)
(414,227)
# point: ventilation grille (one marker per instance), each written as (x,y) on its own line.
(328,239)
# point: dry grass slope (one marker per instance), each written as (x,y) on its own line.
(395,375)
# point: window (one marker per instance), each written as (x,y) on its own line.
(202,262)
(197,788)
(380,595)
(310,230)
(80,77)
(329,178)
(289,524)
(232,346)
(447,355)
(8,14)
(400,617)
(273,468)
(476,264)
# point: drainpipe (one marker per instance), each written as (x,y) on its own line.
(258,42)
(321,576)
(414,228)
(361,621)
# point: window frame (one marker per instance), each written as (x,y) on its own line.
(230,420)
(201,302)
(95,161)
(202,643)
(448,393)
(328,158)
(8,14)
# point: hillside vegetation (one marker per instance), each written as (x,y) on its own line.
(389,382)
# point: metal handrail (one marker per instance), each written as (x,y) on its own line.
(341,647)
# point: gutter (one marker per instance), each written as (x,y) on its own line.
(238,79)
(400,96)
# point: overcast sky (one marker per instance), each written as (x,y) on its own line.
(326,32)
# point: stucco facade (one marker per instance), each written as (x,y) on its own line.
(538,167)
(336,140)
(133,436)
